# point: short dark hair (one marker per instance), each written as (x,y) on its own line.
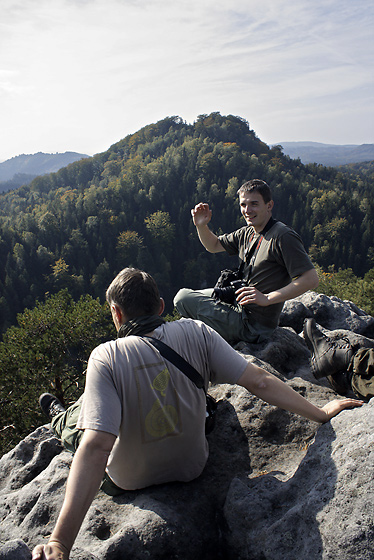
(257,185)
(135,292)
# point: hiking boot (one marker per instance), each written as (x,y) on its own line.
(50,405)
(329,357)
(340,382)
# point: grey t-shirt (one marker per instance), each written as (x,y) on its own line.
(280,258)
(156,412)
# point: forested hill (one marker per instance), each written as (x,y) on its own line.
(131,205)
(21,170)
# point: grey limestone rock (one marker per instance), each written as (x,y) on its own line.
(276,486)
(14,550)
(329,312)
(324,511)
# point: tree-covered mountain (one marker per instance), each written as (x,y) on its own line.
(131,206)
(21,170)
(328,154)
(365,169)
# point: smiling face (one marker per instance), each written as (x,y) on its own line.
(255,211)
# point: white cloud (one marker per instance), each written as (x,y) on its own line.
(80,75)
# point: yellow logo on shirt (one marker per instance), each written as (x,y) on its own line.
(161,381)
(161,420)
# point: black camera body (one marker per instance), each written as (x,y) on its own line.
(227,293)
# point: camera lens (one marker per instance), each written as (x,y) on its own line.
(227,294)
(236,284)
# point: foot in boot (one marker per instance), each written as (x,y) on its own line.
(50,405)
(329,357)
(340,382)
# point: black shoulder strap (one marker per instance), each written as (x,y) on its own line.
(176,359)
(251,254)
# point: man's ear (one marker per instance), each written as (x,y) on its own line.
(271,205)
(162,307)
(117,315)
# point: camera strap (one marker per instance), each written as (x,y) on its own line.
(251,252)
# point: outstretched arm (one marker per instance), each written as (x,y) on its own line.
(86,474)
(201,216)
(272,390)
(301,284)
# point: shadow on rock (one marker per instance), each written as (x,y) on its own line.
(268,518)
(324,511)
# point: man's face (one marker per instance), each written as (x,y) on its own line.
(255,211)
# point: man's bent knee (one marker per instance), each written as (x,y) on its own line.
(180,300)
(180,296)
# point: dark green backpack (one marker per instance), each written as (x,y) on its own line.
(362,369)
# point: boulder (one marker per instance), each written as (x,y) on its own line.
(276,486)
(325,510)
(329,312)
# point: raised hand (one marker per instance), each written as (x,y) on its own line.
(201,214)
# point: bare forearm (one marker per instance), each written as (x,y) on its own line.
(84,480)
(305,282)
(209,239)
(272,390)
(250,295)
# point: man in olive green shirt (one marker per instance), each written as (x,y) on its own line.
(275,268)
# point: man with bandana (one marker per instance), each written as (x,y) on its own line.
(141,420)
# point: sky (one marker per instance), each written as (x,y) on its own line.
(80,75)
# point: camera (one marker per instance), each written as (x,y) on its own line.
(227,293)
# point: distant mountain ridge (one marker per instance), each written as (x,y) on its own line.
(328,154)
(22,169)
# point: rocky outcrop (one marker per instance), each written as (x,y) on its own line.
(276,486)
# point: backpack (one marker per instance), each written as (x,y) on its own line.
(362,369)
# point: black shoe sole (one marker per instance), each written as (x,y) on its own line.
(50,405)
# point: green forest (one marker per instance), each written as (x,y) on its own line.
(64,236)
(131,205)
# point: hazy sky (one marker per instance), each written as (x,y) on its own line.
(79,75)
